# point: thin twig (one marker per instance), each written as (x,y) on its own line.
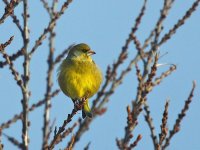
(163,127)
(181,115)
(9,9)
(1,145)
(46,6)
(66,133)
(159,24)
(149,121)
(62,55)
(50,25)
(12,58)
(62,128)
(180,22)
(135,143)
(14,141)
(49,85)
(11,65)
(31,108)
(15,19)
(87,146)
(71,143)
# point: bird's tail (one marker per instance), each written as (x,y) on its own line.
(86,110)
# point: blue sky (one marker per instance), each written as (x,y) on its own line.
(105,25)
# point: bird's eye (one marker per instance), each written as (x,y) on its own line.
(84,50)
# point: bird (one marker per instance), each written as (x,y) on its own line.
(79,77)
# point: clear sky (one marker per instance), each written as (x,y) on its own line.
(105,25)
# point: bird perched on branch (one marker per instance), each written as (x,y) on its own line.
(79,77)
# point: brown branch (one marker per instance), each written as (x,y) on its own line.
(159,24)
(149,121)
(49,79)
(11,65)
(14,141)
(165,74)
(50,25)
(87,146)
(12,58)
(50,129)
(135,143)
(163,14)
(163,127)
(71,143)
(62,55)
(1,145)
(46,6)
(61,129)
(32,108)
(9,9)
(4,45)
(14,17)
(103,95)
(111,74)
(181,115)
(66,133)
(180,22)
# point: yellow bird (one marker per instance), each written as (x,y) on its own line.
(79,77)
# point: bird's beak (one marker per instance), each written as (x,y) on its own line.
(90,52)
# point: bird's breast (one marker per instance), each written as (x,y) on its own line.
(79,79)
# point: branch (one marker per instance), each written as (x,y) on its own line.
(159,24)
(62,55)
(181,115)
(110,78)
(163,127)
(11,65)
(26,78)
(32,108)
(50,25)
(66,133)
(9,9)
(180,22)
(87,146)
(14,141)
(149,121)
(49,79)
(1,145)
(14,17)
(12,58)
(61,129)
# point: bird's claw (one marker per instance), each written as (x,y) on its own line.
(78,104)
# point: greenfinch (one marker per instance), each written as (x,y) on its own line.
(79,77)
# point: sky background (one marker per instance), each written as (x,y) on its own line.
(105,26)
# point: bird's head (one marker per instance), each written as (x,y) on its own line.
(81,51)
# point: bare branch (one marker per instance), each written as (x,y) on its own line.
(14,17)
(14,141)
(50,25)
(12,58)
(87,146)
(177,124)
(163,127)
(9,9)
(180,22)
(149,121)
(62,128)
(32,108)
(49,79)
(26,78)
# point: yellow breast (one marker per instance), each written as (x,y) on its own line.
(79,79)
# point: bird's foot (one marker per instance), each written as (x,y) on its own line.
(78,104)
